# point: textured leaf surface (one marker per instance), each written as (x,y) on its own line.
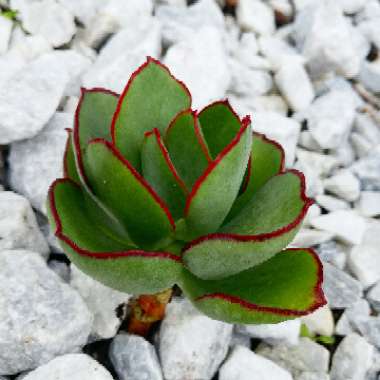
(285,287)
(151,99)
(265,226)
(220,124)
(114,264)
(215,191)
(267,160)
(187,147)
(69,165)
(117,184)
(159,171)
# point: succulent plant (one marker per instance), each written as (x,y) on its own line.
(155,194)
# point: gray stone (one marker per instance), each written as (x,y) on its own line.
(178,23)
(341,290)
(61,269)
(238,339)
(35,163)
(352,316)
(70,367)
(134,358)
(346,225)
(294,84)
(313,376)
(306,356)
(373,297)
(243,364)
(333,253)
(370,329)
(255,16)
(344,185)
(328,122)
(364,259)
(29,98)
(5,33)
(370,75)
(49,19)
(122,54)
(200,61)
(282,129)
(281,333)
(102,301)
(314,27)
(367,170)
(40,316)
(352,359)
(191,345)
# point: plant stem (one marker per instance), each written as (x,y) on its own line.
(146,310)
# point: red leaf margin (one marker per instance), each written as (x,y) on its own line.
(319,297)
(95,255)
(245,124)
(264,236)
(149,60)
(137,175)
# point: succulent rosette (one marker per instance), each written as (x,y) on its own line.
(155,194)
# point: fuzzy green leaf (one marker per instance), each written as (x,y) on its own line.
(120,188)
(158,170)
(151,99)
(285,287)
(187,147)
(114,264)
(215,191)
(69,165)
(220,124)
(265,226)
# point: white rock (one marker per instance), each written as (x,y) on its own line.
(191,345)
(343,184)
(29,98)
(295,85)
(352,317)
(247,47)
(345,154)
(360,144)
(306,356)
(370,329)
(70,367)
(18,225)
(370,75)
(374,296)
(178,23)
(279,128)
(351,6)
(280,333)
(329,123)
(5,33)
(333,253)
(61,269)
(313,376)
(282,7)
(364,259)
(307,237)
(134,358)
(101,301)
(367,170)
(320,321)
(365,125)
(255,16)
(49,19)
(83,10)
(314,29)
(313,212)
(35,163)
(352,359)
(331,203)
(244,364)
(123,53)
(40,316)
(370,28)
(320,163)
(341,290)
(347,225)
(240,340)
(249,82)
(278,51)
(200,61)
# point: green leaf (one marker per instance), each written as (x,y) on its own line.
(267,160)
(69,164)
(285,287)
(187,147)
(158,170)
(93,120)
(117,265)
(9,14)
(214,192)
(150,100)
(219,124)
(266,225)
(120,188)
